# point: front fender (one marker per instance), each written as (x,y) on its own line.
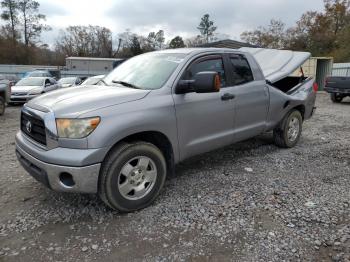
(153,113)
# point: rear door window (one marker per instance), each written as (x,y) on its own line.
(242,72)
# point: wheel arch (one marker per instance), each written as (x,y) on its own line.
(156,138)
(301,108)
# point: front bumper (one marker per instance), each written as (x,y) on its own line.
(337,90)
(81,179)
(21,98)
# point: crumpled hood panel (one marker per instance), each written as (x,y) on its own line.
(74,101)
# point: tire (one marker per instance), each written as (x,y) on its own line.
(2,106)
(126,182)
(336,98)
(288,133)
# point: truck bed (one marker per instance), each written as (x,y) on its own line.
(289,84)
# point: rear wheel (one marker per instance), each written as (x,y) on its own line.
(2,105)
(336,98)
(288,133)
(132,176)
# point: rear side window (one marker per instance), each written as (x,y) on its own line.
(241,70)
(211,64)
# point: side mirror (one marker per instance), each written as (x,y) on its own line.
(47,84)
(203,82)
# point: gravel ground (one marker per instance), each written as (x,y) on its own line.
(250,201)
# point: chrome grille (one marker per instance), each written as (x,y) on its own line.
(34,127)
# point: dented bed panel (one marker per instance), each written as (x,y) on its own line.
(302,96)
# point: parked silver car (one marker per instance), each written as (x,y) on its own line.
(31,87)
(121,140)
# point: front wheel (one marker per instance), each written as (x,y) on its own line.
(2,106)
(132,176)
(336,98)
(288,133)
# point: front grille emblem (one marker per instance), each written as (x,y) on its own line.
(29,126)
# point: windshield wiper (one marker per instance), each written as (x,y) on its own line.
(125,84)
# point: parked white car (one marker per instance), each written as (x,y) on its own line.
(93,80)
(70,81)
(30,87)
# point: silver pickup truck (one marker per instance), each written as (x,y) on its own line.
(122,138)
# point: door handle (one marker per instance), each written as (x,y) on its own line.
(227,96)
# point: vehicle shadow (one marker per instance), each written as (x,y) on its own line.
(233,153)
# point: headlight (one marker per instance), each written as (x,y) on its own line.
(35,91)
(76,128)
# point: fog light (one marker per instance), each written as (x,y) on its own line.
(67,179)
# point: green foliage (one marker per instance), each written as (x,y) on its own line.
(206,27)
(135,46)
(177,42)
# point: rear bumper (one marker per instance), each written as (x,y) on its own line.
(75,179)
(337,90)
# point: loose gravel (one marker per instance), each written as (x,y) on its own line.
(251,201)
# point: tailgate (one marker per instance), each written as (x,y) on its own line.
(339,82)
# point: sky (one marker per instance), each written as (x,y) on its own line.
(176,17)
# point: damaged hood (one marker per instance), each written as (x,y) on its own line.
(74,101)
(277,64)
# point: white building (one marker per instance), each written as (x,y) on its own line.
(89,66)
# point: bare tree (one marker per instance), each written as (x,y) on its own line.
(90,40)
(160,39)
(155,40)
(271,37)
(194,41)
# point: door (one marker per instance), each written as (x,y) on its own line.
(251,99)
(204,121)
(47,86)
(53,83)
